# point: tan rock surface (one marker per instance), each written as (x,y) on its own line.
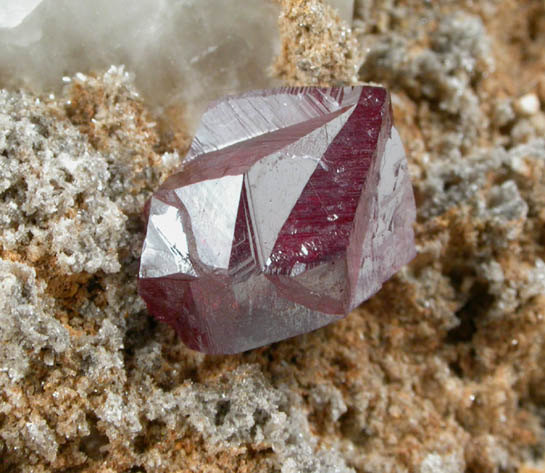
(442,371)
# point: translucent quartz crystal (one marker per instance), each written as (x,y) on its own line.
(183,53)
(13,12)
(186,52)
(294,206)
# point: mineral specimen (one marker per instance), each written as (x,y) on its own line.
(293,207)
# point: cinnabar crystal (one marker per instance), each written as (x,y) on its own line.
(293,206)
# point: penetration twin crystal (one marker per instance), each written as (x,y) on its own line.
(294,206)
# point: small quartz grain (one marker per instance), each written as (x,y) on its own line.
(527,105)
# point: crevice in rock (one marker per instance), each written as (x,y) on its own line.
(476,306)
(222,409)
(136,469)
(261,416)
(152,434)
(351,428)
(93,444)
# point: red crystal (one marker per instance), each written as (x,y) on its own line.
(293,207)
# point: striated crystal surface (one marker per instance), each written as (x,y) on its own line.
(294,206)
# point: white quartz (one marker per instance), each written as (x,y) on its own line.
(181,51)
(13,12)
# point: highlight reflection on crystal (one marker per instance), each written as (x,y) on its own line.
(294,206)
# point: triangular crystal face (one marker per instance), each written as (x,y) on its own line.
(294,207)
(320,222)
(275,184)
(243,260)
(211,221)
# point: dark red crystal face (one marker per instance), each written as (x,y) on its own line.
(294,206)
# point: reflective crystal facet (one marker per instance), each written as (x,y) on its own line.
(294,206)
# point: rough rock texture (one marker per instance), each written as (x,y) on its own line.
(285,217)
(442,371)
(318,48)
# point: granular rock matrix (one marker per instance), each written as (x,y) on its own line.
(440,371)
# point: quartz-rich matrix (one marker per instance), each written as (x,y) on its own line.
(294,206)
(441,371)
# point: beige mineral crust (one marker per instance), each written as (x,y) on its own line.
(442,371)
(318,47)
